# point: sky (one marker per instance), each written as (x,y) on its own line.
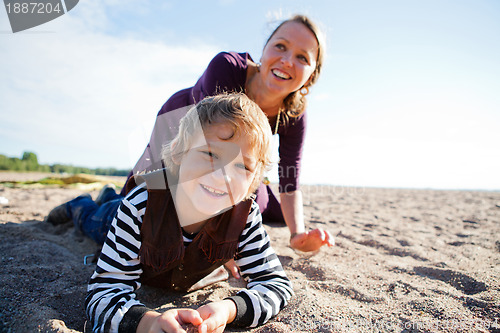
(409,95)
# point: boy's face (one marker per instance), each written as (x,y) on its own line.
(215,173)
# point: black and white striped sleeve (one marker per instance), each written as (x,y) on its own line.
(111,290)
(268,288)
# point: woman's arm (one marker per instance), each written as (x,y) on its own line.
(293,212)
(291,145)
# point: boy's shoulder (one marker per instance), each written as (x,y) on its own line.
(137,195)
(155,180)
(150,181)
(254,208)
(254,216)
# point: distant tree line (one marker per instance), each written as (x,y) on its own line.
(29,162)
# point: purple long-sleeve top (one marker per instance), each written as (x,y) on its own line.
(226,73)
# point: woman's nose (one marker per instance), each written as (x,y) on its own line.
(286,60)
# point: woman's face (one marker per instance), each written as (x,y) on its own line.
(289,58)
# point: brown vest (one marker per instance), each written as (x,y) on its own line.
(166,263)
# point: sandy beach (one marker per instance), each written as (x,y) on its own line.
(404,261)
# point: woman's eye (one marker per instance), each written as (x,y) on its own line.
(280,47)
(303,58)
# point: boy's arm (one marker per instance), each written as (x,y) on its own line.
(268,289)
(111,290)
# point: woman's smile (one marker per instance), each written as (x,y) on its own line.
(281,74)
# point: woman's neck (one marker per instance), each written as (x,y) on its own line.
(256,90)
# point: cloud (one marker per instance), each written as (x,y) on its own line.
(75,94)
(440,141)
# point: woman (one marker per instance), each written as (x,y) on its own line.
(291,63)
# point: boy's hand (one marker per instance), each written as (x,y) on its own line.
(233,268)
(311,240)
(171,321)
(216,315)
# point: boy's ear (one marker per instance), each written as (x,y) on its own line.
(250,192)
(176,156)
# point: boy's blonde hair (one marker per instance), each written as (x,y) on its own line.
(246,119)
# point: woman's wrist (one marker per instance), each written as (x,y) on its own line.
(293,234)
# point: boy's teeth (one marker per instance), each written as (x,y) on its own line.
(280,74)
(212,190)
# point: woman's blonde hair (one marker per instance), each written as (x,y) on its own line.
(246,119)
(295,103)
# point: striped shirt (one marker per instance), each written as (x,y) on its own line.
(111,290)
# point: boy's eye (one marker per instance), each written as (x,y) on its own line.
(209,154)
(243,167)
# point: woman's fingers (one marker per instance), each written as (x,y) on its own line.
(312,240)
(329,240)
(324,235)
(306,242)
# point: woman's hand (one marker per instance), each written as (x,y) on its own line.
(311,240)
(216,315)
(171,321)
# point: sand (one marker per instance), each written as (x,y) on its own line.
(404,261)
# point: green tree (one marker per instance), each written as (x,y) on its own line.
(17,164)
(30,161)
(4,162)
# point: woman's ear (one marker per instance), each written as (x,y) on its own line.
(311,78)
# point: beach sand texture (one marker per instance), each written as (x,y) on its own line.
(404,261)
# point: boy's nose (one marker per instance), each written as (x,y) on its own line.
(221,177)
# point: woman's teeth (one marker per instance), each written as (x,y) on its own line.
(281,74)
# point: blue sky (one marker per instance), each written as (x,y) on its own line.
(409,95)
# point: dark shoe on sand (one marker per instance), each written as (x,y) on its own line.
(58,215)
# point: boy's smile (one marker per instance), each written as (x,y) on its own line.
(214,174)
(213,191)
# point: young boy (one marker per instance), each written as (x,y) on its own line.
(185,221)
